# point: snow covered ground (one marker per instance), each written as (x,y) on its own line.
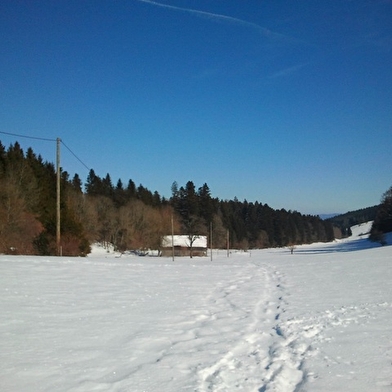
(317,320)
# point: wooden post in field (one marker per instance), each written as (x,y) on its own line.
(228,243)
(211,239)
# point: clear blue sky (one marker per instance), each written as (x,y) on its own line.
(284,102)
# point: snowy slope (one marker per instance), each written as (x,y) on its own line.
(362,230)
(317,320)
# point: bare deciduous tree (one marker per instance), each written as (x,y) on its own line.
(18,228)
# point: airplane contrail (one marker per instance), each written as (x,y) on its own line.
(211,15)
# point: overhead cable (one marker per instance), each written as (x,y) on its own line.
(47,140)
(75,155)
(28,137)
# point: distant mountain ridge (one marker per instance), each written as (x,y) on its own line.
(328,216)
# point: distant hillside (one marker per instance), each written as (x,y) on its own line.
(352,218)
(327,216)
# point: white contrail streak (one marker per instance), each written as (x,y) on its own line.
(211,15)
(288,71)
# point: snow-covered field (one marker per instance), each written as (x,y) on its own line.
(317,320)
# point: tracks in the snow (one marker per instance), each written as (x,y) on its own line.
(260,348)
(261,357)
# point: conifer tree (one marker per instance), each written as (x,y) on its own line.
(77,183)
(93,184)
(119,194)
(107,187)
(131,190)
(206,204)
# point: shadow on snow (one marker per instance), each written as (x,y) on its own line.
(344,246)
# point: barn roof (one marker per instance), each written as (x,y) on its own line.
(183,240)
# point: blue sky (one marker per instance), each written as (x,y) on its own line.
(284,102)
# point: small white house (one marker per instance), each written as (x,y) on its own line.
(184,245)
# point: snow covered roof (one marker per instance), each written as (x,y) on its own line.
(199,241)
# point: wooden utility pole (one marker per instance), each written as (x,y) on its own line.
(58,225)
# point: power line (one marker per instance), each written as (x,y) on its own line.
(28,137)
(75,155)
(47,140)
(58,212)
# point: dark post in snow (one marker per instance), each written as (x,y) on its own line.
(228,243)
(172,230)
(211,239)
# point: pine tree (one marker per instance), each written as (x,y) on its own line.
(77,183)
(93,184)
(119,194)
(131,190)
(107,187)
(206,206)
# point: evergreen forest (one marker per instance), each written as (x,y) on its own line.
(128,216)
(382,223)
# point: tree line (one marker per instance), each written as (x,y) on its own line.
(130,216)
(382,223)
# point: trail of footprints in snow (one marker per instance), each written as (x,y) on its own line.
(243,364)
(297,338)
(282,368)
(270,355)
